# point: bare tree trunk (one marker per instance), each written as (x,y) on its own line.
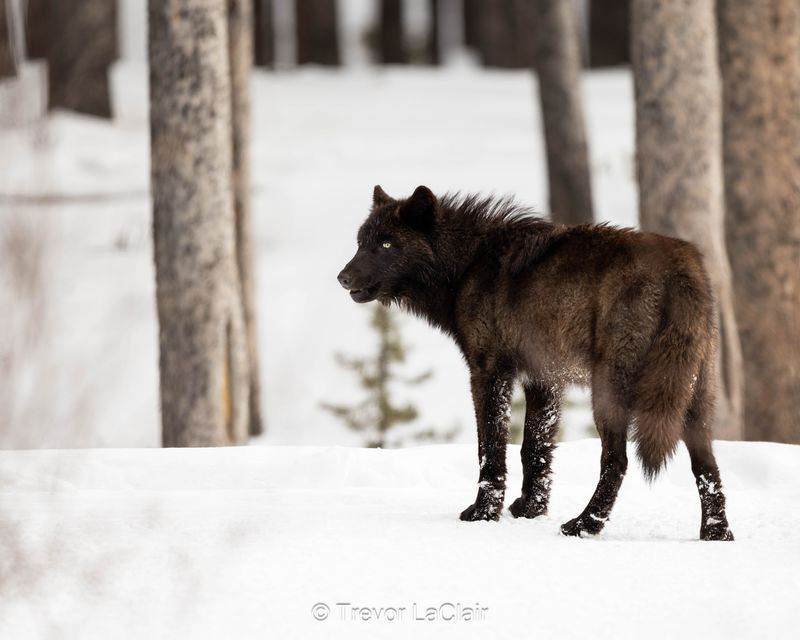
(553,27)
(317,32)
(609,33)
(498,34)
(240,29)
(36,27)
(203,355)
(81,45)
(760,62)
(472,17)
(679,159)
(392,43)
(264,33)
(434,39)
(8,68)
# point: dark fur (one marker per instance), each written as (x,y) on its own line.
(630,314)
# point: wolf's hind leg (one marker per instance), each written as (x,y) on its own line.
(612,424)
(697,437)
(542,413)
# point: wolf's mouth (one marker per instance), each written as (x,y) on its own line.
(364,295)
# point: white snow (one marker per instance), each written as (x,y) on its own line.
(243,542)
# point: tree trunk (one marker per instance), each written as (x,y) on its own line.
(553,27)
(434,55)
(36,27)
(317,32)
(8,67)
(240,29)
(264,33)
(609,33)
(81,45)
(498,40)
(392,44)
(203,356)
(679,159)
(472,20)
(760,62)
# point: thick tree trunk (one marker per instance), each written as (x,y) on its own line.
(203,356)
(609,33)
(264,33)
(392,43)
(8,67)
(553,27)
(679,159)
(317,32)
(81,45)
(240,29)
(760,62)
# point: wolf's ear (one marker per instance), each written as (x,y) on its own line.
(380,197)
(419,210)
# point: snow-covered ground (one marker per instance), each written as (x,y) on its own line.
(321,141)
(244,542)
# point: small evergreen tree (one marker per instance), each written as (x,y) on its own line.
(377,414)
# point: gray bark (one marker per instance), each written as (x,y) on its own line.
(760,63)
(317,32)
(80,46)
(203,357)
(679,159)
(557,61)
(240,29)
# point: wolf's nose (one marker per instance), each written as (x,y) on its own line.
(344,280)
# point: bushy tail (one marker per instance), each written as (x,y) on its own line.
(669,372)
(656,438)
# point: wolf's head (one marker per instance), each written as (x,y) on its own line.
(394,247)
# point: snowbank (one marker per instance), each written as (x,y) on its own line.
(244,542)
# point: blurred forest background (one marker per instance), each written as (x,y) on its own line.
(181,180)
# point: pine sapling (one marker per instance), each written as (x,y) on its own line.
(378,413)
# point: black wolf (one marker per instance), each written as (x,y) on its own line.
(630,314)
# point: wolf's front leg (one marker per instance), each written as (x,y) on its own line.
(491,394)
(542,411)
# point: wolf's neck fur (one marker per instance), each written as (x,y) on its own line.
(466,228)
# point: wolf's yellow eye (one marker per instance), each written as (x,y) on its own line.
(387,245)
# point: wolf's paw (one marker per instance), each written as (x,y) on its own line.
(481,510)
(529,507)
(583,525)
(716,529)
